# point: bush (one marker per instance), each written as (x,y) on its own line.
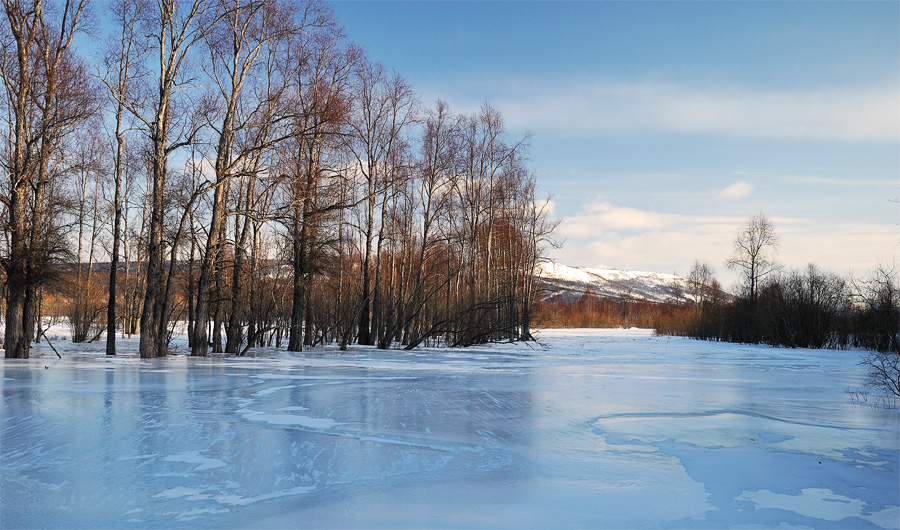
(877,319)
(884,371)
(877,327)
(85,308)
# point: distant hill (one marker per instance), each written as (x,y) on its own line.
(561,283)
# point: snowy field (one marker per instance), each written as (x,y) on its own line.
(587,429)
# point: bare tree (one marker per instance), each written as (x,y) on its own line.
(242,41)
(314,184)
(878,326)
(121,64)
(134,231)
(537,229)
(384,107)
(428,197)
(84,307)
(754,251)
(173,27)
(392,236)
(47,95)
(700,281)
(473,234)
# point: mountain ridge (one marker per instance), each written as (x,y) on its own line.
(563,283)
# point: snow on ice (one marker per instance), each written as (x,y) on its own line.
(586,429)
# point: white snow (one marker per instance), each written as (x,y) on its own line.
(590,274)
(585,429)
(563,281)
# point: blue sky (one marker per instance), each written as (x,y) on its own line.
(659,128)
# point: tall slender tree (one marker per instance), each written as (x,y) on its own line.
(172,28)
(121,64)
(321,66)
(384,106)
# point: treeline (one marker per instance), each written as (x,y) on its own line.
(243,167)
(809,309)
(815,309)
(593,311)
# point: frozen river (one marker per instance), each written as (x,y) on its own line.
(588,429)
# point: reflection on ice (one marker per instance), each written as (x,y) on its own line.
(586,429)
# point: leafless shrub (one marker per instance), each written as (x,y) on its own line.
(85,307)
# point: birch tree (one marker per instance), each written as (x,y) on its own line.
(239,44)
(384,106)
(46,95)
(172,28)
(321,84)
(121,64)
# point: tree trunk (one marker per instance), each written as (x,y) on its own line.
(16,342)
(233,335)
(365,313)
(151,343)
(116,233)
(295,337)
(191,288)
(200,342)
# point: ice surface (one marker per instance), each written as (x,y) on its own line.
(587,429)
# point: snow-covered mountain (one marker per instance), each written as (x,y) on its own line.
(559,282)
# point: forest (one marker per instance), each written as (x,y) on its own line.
(243,167)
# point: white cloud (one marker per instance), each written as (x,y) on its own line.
(604,214)
(599,234)
(548,206)
(577,106)
(736,191)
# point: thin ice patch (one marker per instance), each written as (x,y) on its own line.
(307,422)
(194,494)
(194,457)
(268,391)
(818,503)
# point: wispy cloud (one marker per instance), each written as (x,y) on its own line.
(736,191)
(840,182)
(860,114)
